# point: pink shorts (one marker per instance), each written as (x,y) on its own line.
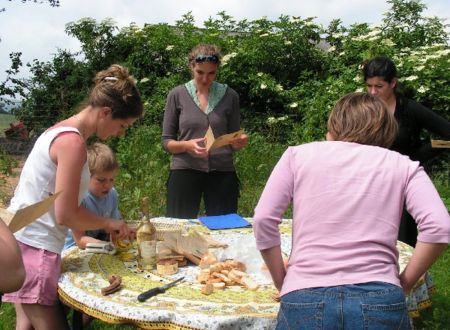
(42,269)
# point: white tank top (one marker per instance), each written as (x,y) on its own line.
(37,182)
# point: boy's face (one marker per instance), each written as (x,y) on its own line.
(101,183)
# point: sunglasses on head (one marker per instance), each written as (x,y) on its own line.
(206,58)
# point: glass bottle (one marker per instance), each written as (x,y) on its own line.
(146,239)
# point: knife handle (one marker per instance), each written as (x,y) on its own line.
(150,293)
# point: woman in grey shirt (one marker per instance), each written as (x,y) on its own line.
(194,172)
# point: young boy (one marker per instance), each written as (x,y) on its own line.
(101,198)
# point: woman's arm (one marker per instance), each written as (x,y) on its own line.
(274,261)
(81,239)
(433,220)
(234,123)
(438,126)
(12,274)
(274,200)
(195,147)
(425,254)
(169,138)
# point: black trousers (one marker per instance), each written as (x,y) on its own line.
(185,189)
(407,232)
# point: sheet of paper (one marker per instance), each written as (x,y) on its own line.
(440,144)
(192,244)
(221,140)
(27,215)
(209,138)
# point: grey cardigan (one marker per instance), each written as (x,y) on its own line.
(184,120)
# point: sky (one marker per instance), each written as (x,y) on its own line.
(37,30)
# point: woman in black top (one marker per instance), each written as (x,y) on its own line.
(380,75)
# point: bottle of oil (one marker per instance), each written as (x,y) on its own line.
(146,239)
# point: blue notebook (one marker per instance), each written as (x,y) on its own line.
(226,221)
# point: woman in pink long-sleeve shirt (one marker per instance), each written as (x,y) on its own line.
(348,194)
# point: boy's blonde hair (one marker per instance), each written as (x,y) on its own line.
(101,158)
(364,119)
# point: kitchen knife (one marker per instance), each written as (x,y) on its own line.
(160,289)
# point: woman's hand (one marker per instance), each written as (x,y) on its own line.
(240,142)
(406,284)
(118,228)
(197,148)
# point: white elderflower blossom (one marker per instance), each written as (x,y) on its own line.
(420,67)
(331,49)
(359,90)
(443,52)
(271,120)
(170,47)
(288,42)
(260,74)
(357,79)
(227,57)
(279,88)
(263,86)
(373,33)
(264,35)
(144,80)
(388,42)
(293,105)
(411,78)
(423,89)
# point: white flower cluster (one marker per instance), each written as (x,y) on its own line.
(227,57)
(423,89)
(273,120)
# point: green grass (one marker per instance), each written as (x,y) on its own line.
(8,321)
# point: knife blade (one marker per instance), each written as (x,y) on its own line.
(160,289)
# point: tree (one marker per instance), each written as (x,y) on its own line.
(407,27)
(53,3)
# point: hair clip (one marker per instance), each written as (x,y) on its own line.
(111,78)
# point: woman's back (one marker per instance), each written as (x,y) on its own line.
(348,200)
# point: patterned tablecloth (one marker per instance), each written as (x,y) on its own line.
(183,306)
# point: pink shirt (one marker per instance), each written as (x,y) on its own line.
(347,203)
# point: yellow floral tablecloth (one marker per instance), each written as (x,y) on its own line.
(183,306)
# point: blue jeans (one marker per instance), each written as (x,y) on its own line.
(373,305)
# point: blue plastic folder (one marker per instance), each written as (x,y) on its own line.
(226,221)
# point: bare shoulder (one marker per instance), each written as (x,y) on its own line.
(68,145)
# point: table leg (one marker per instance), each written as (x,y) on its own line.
(77,320)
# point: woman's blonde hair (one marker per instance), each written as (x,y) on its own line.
(101,158)
(116,88)
(205,50)
(364,119)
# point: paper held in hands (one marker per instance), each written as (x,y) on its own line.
(27,215)
(440,144)
(213,143)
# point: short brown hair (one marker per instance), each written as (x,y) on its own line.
(364,119)
(101,158)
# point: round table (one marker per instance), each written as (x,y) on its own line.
(184,306)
